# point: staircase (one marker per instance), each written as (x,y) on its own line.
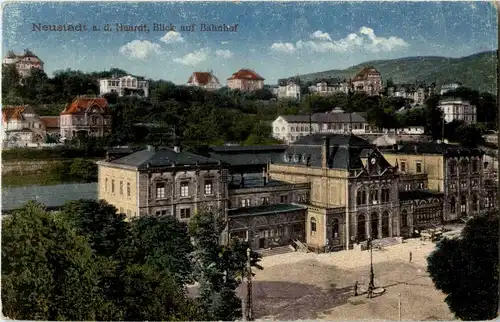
(275,251)
(385,242)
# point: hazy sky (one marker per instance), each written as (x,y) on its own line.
(275,39)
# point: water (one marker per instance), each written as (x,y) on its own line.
(50,196)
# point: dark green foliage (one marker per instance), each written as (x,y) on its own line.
(105,229)
(218,268)
(48,272)
(85,170)
(88,263)
(50,154)
(163,242)
(466,269)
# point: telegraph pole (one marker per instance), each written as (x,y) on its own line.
(371,286)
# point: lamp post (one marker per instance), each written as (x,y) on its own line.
(371,285)
(249,308)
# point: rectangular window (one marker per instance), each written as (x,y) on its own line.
(264,200)
(313,226)
(121,188)
(184,189)
(402,167)
(418,166)
(158,213)
(284,199)
(128,189)
(208,187)
(163,212)
(113,186)
(185,213)
(160,190)
(129,213)
(106,184)
(121,210)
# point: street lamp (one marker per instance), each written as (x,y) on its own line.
(371,285)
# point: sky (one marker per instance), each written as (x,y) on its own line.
(276,39)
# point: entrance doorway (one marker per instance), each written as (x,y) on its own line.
(374,232)
(385,224)
(361,228)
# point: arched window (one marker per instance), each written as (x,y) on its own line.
(307,128)
(335,228)
(301,129)
(296,158)
(358,197)
(463,204)
(363,197)
(374,196)
(452,205)
(475,165)
(474,203)
(286,158)
(404,219)
(385,195)
(292,129)
(464,166)
(452,169)
(283,129)
(313,225)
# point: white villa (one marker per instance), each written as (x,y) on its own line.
(124,86)
(289,88)
(291,127)
(458,109)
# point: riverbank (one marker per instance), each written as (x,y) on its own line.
(28,173)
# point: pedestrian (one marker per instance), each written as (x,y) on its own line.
(410,256)
(356,288)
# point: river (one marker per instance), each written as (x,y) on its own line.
(50,196)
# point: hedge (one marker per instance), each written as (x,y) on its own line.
(17,154)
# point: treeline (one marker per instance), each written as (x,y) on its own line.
(89,263)
(199,117)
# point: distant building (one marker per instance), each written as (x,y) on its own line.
(290,128)
(368,80)
(245,80)
(21,126)
(449,87)
(417,93)
(24,62)
(456,109)
(327,87)
(205,80)
(289,88)
(124,86)
(86,116)
(51,125)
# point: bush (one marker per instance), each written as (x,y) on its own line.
(85,170)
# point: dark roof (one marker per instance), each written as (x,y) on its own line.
(248,148)
(329,81)
(434,148)
(163,158)
(344,153)
(264,210)
(335,139)
(285,81)
(326,118)
(419,194)
(255,155)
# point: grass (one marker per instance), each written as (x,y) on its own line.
(17,179)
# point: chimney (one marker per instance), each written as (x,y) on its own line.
(177,149)
(264,176)
(325,152)
(150,148)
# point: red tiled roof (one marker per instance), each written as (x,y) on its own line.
(246,74)
(50,122)
(203,78)
(84,104)
(12,113)
(363,74)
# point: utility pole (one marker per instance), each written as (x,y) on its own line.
(249,308)
(310,116)
(399,306)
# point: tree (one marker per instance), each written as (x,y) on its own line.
(218,268)
(83,169)
(163,242)
(466,269)
(106,230)
(433,118)
(48,271)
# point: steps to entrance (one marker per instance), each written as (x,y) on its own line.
(385,242)
(275,251)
